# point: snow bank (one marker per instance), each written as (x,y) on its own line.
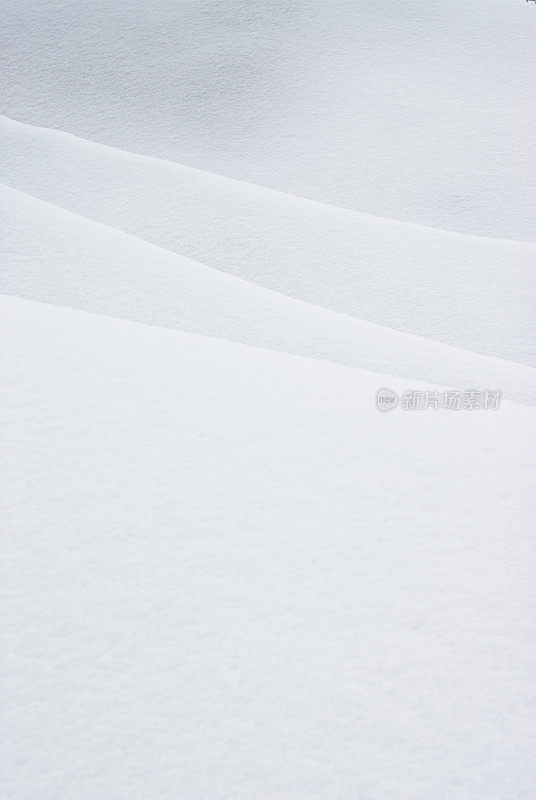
(465,291)
(57,257)
(420,111)
(226,575)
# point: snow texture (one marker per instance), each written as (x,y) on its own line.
(419,111)
(227,575)
(224,575)
(55,256)
(466,291)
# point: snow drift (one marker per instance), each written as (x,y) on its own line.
(466,291)
(420,111)
(55,256)
(227,575)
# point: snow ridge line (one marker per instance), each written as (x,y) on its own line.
(282,323)
(327,207)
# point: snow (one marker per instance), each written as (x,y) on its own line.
(224,574)
(227,575)
(420,111)
(466,291)
(58,257)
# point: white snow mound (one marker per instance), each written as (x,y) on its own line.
(226,575)
(54,256)
(421,110)
(467,291)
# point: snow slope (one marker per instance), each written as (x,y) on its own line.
(57,257)
(465,291)
(420,111)
(225,575)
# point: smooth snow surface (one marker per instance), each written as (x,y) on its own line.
(224,574)
(466,291)
(227,575)
(55,256)
(419,110)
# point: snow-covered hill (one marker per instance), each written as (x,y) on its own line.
(55,256)
(419,110)
(227,575)
(466,291)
